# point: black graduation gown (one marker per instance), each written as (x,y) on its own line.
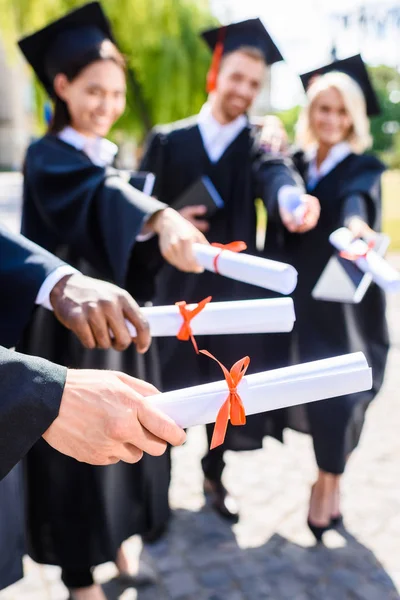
(177,156)
(327,329)
(78,514)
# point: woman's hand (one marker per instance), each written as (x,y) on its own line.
(360,229)
(176,238)
(310,213)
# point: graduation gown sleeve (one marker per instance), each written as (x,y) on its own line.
(271,173)
(364,181)
(31,391)
(23,268)
(91,209)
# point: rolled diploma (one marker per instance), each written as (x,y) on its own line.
(221,318)
(268,274)
(270,390)
(380,270)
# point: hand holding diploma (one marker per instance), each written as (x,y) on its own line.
(366,259)
(266,391)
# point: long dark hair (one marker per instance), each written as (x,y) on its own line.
(105,51)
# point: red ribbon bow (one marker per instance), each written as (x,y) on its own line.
(185,333)
(232,408)
(356,255)
(232,246)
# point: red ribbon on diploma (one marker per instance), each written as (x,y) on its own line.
(185,333)
(356,255)
(232,408)
(232,247)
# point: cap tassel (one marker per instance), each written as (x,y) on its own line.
(216,62)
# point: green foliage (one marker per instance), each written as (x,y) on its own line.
(385,80)
(289,118)
(160,41)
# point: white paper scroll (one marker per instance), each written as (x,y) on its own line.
(221,318)
(269,274)
(380,270)
(270,390)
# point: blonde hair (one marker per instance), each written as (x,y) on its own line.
(359,136)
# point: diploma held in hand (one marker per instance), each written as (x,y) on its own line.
(368,261)
(270,390)
(221,318)
(268,274)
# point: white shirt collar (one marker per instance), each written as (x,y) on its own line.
(217,137)
(335,156)
(100,150)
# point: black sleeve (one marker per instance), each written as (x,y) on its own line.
(31,392)
(146,257)
(355,205)
(94,211)
(23,268)
(271,173)
(364,180)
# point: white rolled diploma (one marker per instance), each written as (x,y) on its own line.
(380,270)
(268,274)
(222,318)
(269,390)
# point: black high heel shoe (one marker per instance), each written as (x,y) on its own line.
(337,522)
(318,531)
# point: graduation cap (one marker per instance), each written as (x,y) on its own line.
(353,66)
(229,38)
(64,41)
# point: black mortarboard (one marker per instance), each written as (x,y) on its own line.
(353,66)
(65,40)
(245,33)
(343,281)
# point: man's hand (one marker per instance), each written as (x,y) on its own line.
(104,418)
(92,309)
(192,214)
(273,137)
(176,238)
(311,210)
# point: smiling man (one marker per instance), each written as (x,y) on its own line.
(219,143)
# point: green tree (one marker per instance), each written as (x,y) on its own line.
(167,59)
(289,118)
(386,81)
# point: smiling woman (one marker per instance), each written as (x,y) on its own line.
(336,111)
(91,96)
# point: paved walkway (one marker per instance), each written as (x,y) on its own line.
(269,554)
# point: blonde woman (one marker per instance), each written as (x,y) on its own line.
(333,134)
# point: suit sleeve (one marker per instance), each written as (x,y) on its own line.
(31,392)
(23,268)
